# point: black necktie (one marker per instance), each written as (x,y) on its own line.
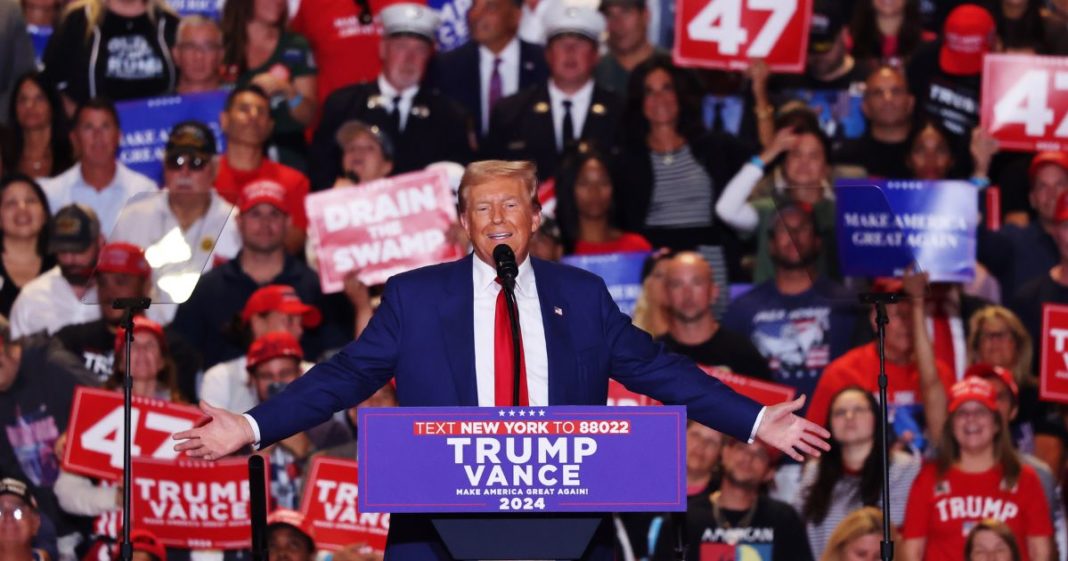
(569,126)
(717,117)
(394,116)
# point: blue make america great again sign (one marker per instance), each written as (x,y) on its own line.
(522,459)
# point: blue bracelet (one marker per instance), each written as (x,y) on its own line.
(295,101)
(980,182)
(756,161)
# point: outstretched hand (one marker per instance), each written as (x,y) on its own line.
(224,434)
(794,435)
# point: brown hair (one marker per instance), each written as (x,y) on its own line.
(1021,370)
(1004,452)
(478,173)
(167,375)
(859,523)
(235,17)
(1000,529)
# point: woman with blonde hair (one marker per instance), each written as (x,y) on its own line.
(118,49)
(650,311)
(857,537)
(991,540)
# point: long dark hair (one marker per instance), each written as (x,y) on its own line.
(687,91)
(42,236)
(235,17)
(821,494)
(62,152)
(868,40)
(567,215)
(1027,31)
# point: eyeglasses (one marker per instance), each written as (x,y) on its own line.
(1001,335)
(178,161)
(15,513)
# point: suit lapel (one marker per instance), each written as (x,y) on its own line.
(471,75)
(543,134)
(457,321)
(596,117)
(563,379)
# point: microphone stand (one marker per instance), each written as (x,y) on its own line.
(880,300)
(130,307)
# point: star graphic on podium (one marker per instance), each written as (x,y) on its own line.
(522,413)
(511,413)
(541,413)
(501,413)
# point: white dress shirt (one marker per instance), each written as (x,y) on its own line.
(389,93)
(580,107)
(508,69)
(535,356)
(70,187)
(48,303)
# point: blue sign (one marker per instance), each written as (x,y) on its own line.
(622,272)
(208,8)
(452,32)
(146,123)
(522,459)
(839,111)
(887,225)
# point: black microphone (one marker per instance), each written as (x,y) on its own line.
(882,297)
(507,269)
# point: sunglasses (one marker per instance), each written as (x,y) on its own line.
(178,161)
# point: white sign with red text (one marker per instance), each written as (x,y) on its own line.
(1024,101)
(193,504)
(330,508)
(1053,373)
(95,433)
(381,228)
(726,34)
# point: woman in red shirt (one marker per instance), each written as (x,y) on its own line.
(977,475)
(584,209)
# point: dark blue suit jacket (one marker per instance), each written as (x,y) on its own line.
(456,75)
(423,333)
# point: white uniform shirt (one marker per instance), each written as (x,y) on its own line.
(70,187)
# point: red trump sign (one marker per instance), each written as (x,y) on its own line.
(1053,383)
(95,433)
(193,504)
(382,227)
(1024,101)
(330,510)
(726,34)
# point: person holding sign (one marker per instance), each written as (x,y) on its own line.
(366,153)
(1050,288)
(434,333)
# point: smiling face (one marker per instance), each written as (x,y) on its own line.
(22,212)
(499,211)
(974,427)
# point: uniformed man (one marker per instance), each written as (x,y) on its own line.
(568,111)
(425,126)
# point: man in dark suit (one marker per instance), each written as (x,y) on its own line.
(425,126)
(494,64)
(435,333)
(568,110)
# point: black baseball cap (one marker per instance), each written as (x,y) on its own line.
(75,228)
(191,137)
(826,24)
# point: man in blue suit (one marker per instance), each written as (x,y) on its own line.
(494,64)
(435,332)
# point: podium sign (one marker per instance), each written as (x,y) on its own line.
(522,460)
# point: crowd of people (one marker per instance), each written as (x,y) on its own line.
(724,178)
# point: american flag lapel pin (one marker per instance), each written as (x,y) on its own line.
(558,311)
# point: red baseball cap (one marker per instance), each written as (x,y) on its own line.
(972,389)
(280,298)
(141,323)
(1059,159)
(277,344)
(968,35)
(987,371)
(124,259)
(1060,212)
(146,541)
(263,191)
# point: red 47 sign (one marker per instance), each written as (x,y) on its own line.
(95,432)
(1053,374)
(725,34)
(1025,101)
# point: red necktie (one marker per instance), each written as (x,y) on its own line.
(943,338)
(503,357)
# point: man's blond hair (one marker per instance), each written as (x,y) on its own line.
(478,173)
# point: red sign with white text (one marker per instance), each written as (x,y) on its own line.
(193,504)
(95,433)
(330,511)
(381,228)
(1024,101)
(726,34)
(1053,372)
(765,393)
